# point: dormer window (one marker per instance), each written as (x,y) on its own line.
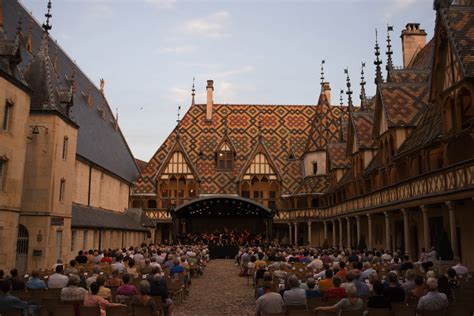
(225,158)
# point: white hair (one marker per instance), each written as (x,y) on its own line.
(432,284)
(351,289)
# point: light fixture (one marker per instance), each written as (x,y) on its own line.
(39,237)
(35,129)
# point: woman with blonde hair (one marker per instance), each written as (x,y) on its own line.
(351,303)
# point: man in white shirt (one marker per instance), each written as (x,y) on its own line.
(58,280)
(460,269)
(270,302)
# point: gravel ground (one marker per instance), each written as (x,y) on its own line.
(220,291)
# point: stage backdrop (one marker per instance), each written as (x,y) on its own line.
(198,225)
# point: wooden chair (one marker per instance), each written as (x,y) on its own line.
(36,296)
(403,310)
(113,291)
(61,310)
(314,302)
(433,313)
(52,293)
(379,312)
(141,311)
(325,313)
(117,311)
(159,304)
(89,311)
(10,312)
(299,313)
(21,294)
(50,303)
(359,312)
(274,314)
(458,310)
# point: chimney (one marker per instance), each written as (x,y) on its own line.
(413,40)
(210,102)
(327,91)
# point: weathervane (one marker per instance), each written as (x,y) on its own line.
(193,92)
(322,72)
(363,96)
(349,91)
(377,62)
(389,49)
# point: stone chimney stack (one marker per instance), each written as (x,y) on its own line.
(210,101)
(413,40)
(327,91)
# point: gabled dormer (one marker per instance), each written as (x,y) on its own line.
(225,154)
(453,68)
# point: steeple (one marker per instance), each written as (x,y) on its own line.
(322,74)
(363,96)
(46,26)
(349,91)
(193,93)
(389,52)
(377,62)
(341,117)
(178,119)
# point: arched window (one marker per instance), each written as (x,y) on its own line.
(465,107)
(225,158)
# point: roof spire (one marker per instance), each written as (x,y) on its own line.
(193,92)
(178,114)
(46,26)
(389,52)
(341,116)
(377,62)
(363,96)
(322,73)
(348,92)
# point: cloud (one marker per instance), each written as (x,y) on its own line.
(213,26)
(231,72)
(162,4)
(178,49)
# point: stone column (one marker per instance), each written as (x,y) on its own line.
(406,231)
(452,228)
(426,227)
(309,233)
(369,233)
(296,235)
(341,246)
(290,234)
(325,230)
(349,241)
(358,229)
(334,242)
(388,244)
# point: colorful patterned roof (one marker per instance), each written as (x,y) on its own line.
(330,130)
(337,156)
(363,124)
(403,103)
(284,129)
(428,130)
(459,21)
(313,184)
(409,76)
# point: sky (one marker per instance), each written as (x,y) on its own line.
(256,51)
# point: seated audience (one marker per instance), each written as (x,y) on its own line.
(269,302)
(8,301)
(326,283)
(144,299)
(92,299)
(378,300)
(16,282)
(351,303)
(393,292)
(58,280)
(73,293)
(433,300)
(35,283)
(336,291)
(115,280)
(295,295)
(312,290)
(72,268)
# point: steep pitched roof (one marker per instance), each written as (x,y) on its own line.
(428,130)
(403,103)
(313,184)
(409,76)
(337,156)
(363,124)
(459,21)
(98,139)
(282,127)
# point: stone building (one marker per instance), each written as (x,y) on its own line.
(65,168)
(394,173)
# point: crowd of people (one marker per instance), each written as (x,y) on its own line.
(223,238)
(150,265)
(353,280)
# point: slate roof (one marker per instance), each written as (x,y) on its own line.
(98,139)
(10,56)
(409,76)
(89,217)
(337,155)
(284,130)
(459,21)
